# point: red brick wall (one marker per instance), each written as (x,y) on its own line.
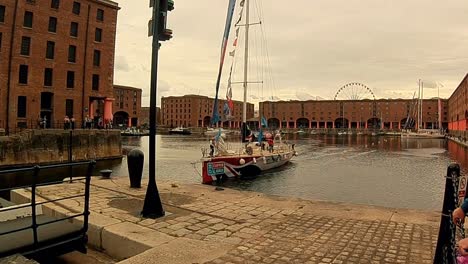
(130,96)
(144,115)
(392,111)
(37,62)
(191,110)
(458,107)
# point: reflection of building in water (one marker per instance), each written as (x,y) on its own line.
(458,154)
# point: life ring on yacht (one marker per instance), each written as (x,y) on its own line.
(249,150)
(242,161)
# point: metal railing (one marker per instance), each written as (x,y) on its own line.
(38,247)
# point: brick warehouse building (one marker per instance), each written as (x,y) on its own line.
(458,110)
(58,60)
(144,116)
(127,106)
(196,111)
(358,114)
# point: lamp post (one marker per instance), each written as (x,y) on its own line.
(152,207)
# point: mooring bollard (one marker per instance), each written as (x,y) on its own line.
(135,159)
(106,173)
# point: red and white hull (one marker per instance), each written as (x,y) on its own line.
(242,165)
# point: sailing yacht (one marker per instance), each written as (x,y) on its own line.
(420,132)
(248,157)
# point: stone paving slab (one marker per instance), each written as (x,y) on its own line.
(248,227)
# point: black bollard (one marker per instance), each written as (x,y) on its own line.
(135,160)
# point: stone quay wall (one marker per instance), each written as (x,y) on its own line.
(53,146)
(462,135)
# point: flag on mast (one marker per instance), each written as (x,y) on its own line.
(227,29)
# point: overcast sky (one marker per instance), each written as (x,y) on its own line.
(314,46)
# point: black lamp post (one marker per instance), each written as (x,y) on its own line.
(152,207)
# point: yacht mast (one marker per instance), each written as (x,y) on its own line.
(419,105)
(246,60)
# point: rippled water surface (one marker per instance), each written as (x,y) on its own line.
(384,171)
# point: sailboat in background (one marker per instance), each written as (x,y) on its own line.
(248,157)
(420,132)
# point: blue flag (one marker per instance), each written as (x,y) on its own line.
(260,136)
(264,122)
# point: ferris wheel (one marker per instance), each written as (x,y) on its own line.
(354,91)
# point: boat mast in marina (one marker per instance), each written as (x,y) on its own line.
(246,62)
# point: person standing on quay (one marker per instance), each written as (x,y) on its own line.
(458,215)
(72,123)
(66,123)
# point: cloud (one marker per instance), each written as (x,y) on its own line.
(322,45)
(121,64)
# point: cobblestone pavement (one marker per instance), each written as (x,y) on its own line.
(263,229)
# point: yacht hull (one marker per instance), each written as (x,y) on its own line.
(242,165)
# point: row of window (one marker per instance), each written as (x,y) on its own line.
(121,92)
(73,29)
(28,15)
(50,51)
(26,44)
(22,107)
(48,77)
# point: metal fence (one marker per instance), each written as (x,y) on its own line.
(75,240)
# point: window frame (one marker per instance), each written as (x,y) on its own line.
(54,25)
(76,8)
(23,77)
(69,105)
(95,82)
(48,77)
(52,46)
(70,79)
(96,35)
(2,13)
(25,50)
(55,4)
(97,58)
(74,28)
(25,24)
(100,15)
(70,48)
(20,111)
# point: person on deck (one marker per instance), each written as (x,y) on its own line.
(459,215)
(212,147)
(270,145)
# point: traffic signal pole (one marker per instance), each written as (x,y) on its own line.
(152,207)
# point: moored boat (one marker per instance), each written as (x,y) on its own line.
(211,132)
(180,131)
(423,133)
(251,156)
